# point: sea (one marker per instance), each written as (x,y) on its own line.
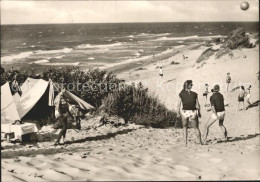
(40,46)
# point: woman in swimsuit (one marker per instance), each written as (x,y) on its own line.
(190,110)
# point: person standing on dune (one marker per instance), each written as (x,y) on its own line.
(248,95)
(205,94)
(228,80)
(161,74)
(218,109)
(190,109)
(241,96)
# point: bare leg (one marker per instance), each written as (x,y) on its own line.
(197,130)
(227,86)
(243,105)
(207,126)
(185,128)
(238,106)
(222,127)
(249,103)
(205,102)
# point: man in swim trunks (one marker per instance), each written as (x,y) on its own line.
(241,96)
(190,109)
(218,109)
(205,94)
(228,80)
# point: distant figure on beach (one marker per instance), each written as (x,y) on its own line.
(161,74)
(205,94)
(63,119)
(190,109)
(218,109)
(241,96)
(228,80)
(248,95)
(185,57)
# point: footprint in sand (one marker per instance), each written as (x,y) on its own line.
(215,160)
(181,167)
(204,155)
(183,174)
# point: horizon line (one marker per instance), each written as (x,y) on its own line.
(133,22)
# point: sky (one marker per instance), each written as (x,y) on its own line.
(44,12)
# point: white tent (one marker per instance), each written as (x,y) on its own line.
(36,100)
(9,112)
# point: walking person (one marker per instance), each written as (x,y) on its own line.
(63,119)
(241,96)
(218,109)
(190,109)
(205,94)
(248,95)
(228,80)
(161,74)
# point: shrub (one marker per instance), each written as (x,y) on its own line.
(137,106)
(205,55)
(126,101)
(236,39)
(224,51)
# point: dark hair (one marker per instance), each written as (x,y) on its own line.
(64,108)
(206,84)
(186,84)
(216,88)
(243,87)
(228,73)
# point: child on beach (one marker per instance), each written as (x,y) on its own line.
(161,74)
(205,94)
(241,96)
(228,80)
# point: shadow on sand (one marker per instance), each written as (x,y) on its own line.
(242,137)
(102,137)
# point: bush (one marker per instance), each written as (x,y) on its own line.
(104,89)
(236,39)
(97,83)
(135,105)
(205,55)
(224,51)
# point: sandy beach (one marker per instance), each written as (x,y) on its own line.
(134,152)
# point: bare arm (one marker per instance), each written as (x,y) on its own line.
(214,110)
(179,105)
(198,106)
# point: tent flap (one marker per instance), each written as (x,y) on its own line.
(9,112)
(73,98)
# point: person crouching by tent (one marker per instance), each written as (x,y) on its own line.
(63,119)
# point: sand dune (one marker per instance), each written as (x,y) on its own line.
(137,153)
